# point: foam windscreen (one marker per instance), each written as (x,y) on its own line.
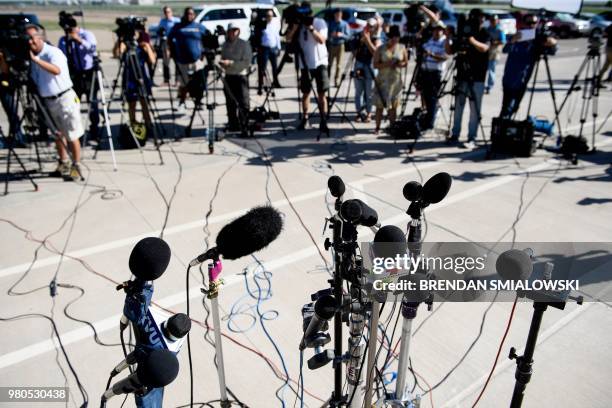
(149,258)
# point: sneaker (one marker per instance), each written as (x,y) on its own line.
(469,145)
(75,172)
(62,169)
(303,124)
(276,84)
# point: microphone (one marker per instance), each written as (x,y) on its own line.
(325,307)
(131,359)
(336,186)
(413,191)
(247,234)
(514,264)
(156,370)
(176,327)
(149,258)
(389,241)
(359,213)
(436,188)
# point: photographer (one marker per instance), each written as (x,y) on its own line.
(498,39)
(185,42)
(523,52)
(313,61)
(608,62)
(79,46)
(364,71)
(236,56)
(164,28)
(338,32)
(49,71)
(267,50)
(389,59)
(435,54)
(136,85)
(472,47)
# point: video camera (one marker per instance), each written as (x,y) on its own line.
(415,21)
(67,20)
(15,46)
(210,40)
(467,26)
(296,15)
(127,27)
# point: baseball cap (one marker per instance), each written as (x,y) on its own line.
(232,26)
(372,21)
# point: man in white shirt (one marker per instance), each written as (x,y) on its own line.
(313,63)
(267,51)
(49,71)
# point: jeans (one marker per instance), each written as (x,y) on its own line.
(491,73)
(430,87)
(265,54)
(152,399)
(237,101)
(363,89)
(474,93)
(511,101)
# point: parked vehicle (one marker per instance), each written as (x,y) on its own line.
(397,17)
(599,22)
(356,18)
(566,26)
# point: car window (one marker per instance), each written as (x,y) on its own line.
(386,16)
(364,15)
(397,18)
(224,14)
(505,16)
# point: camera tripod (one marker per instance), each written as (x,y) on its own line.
(261,112)
(130,65)
(348,69)
(589,68)
(211,130)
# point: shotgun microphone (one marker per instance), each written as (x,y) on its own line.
(436,188)
(247,234)
(158,369)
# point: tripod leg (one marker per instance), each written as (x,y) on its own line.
(102,94)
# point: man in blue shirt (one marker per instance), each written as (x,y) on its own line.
(338,32)
(268,50)
(79,46)
(498,39)
(163,30)
(185,42)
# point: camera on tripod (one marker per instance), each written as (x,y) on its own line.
(296,15)
(15,46)
(415,21)
(595,40)
(467,26)
(128,26)
(67,20)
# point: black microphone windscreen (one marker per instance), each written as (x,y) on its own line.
(351,211)
(325,307)
(178,325)
(159,369)
(413,191)
(249,233)
(389,241)
(369,216)
(336,186)
(149,258)
(514,264)
(436,188)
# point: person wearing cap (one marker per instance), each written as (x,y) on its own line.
(364,70)
(472,64)
(313,61)
(338,32)
(389,59)
(185,41)
(435,54)
(498,39)
(236,56)
(522,56)
(49,72)
(79,46)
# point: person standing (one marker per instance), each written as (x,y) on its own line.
(236,56)
(338,32)
(608,62)
(498,39)
(268,51)
(389,59)
(185,42)
(364,71)
(472,65)
(49,72)
(313,62)
(79,46)
(435,54)
(166,23)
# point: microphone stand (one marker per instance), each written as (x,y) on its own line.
(214,283)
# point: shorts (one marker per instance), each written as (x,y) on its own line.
(65,112)
(185,71)
(321,77)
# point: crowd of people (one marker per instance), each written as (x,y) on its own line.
(380,54)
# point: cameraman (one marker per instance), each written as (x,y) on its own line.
(312,35)
(49,71)
(523,52)
(79,46)
(136,85)
(268,50)
(185,42)
(236,56)
(364,70)
(472,64)
(163,29)
(338,34)
(435,54)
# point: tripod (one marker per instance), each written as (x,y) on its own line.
(590,90)
(267,113)
(332,102)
